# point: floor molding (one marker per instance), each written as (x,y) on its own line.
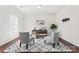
(75,49)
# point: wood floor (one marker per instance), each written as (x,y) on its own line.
(3,47)
(74,48)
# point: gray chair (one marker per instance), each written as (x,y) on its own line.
(25,38)
(53,39)
(56,39)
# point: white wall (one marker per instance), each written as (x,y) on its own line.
(5,11)
(69,30)
(30,21)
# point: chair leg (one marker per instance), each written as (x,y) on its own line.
(58,43)
(53,45)
(20,44)
(26,46)
(33,41)
(44,41)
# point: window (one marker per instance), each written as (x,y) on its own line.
(13,21)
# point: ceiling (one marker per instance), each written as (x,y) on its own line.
(33,9)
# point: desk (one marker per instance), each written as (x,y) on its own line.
(39,33)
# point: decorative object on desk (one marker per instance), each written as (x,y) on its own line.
(65,19)
(53,26)
(40,22)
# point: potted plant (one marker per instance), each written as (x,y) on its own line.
(53,27)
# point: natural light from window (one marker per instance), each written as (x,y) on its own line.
(13,21)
